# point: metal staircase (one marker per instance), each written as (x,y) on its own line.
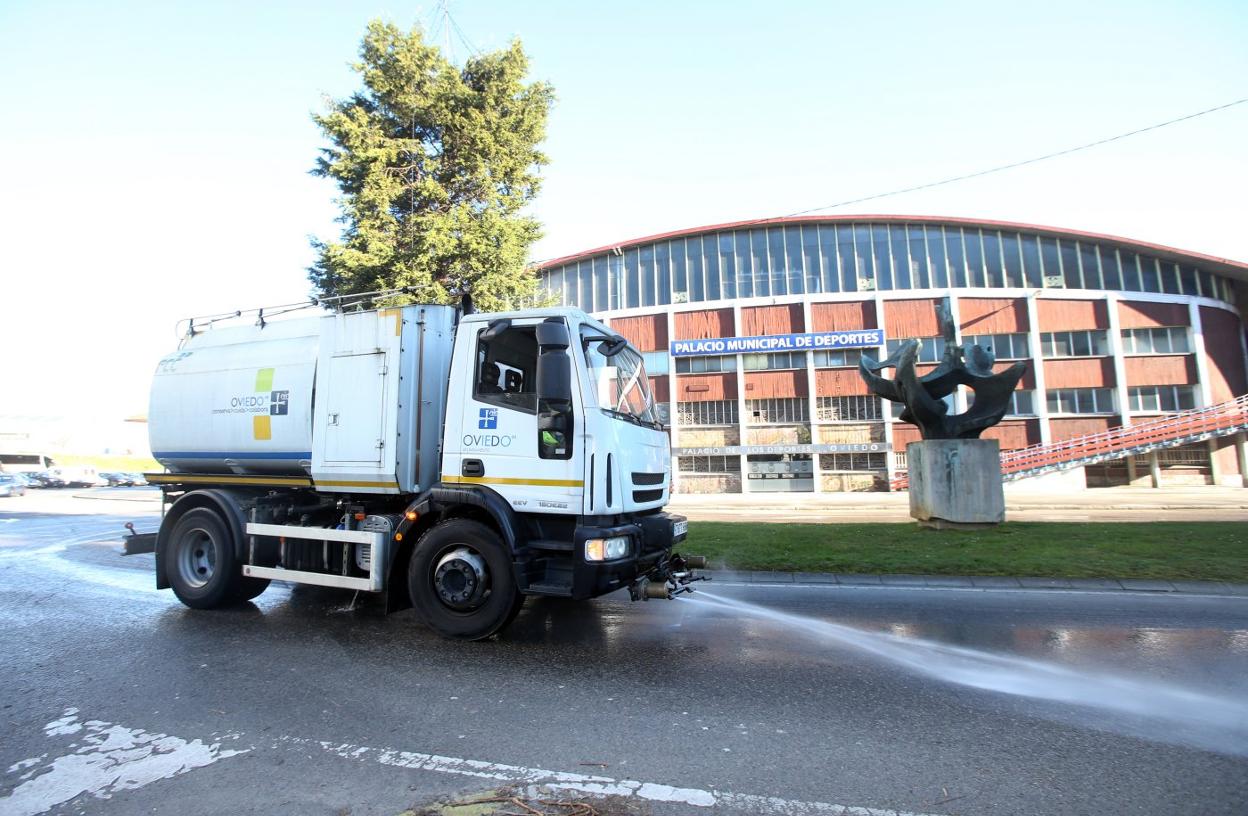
(1169,431)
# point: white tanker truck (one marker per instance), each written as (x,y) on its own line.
(457,462)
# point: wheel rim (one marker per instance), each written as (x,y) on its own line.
(461,579)
(197,558)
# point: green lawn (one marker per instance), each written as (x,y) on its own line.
(1216,551)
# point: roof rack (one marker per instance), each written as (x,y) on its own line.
(338,303)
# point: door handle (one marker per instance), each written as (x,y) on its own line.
(473,467)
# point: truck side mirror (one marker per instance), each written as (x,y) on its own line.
(555,421)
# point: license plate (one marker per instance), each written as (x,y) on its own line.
(680,528)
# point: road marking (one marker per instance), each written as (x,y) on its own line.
(540,780)
(107,759)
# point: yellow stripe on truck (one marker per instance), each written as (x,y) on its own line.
(261,427)
(225,478)
(325,483)
(503,480)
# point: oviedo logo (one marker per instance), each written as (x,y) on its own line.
(487,420)
(264,404)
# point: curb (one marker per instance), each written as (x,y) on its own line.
(1138,585)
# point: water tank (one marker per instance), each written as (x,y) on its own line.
(237,400)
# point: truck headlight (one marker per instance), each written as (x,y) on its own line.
(606,549)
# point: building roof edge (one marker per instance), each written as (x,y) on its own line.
(1226,266)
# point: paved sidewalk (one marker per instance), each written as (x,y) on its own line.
(979,582)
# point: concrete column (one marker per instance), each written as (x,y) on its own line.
(1039,397)
(959,396)
(674,416)
(1215,467)
(1241,453)
(1204,393)
(812,401)
(885,406)
(1121,395)
(1120,368)
(742,427)
(1154,468)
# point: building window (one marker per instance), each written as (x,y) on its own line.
(1005,346)
(1081,401)
(709,464)
(1020,403)
(1154,399)
(838,358)
(777,411)
(848,409)
(706,365)
(1171,340)
(656,362)
(711,412)
(851,462)
(1093,343)
(774,361)
(931,349)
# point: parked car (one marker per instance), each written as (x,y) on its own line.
(47,478)
(11,486)
(120,479)
(139,479)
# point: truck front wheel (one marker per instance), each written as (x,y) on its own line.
(200,563)
(461,582)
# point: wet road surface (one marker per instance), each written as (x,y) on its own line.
(931,701)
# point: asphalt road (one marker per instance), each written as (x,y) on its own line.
(925,701)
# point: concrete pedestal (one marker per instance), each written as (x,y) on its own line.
(956,482)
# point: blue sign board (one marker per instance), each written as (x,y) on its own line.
(812,341)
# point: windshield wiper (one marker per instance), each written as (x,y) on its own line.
(633,418)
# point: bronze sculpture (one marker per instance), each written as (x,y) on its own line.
(923,396)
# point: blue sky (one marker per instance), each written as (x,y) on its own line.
(157,153)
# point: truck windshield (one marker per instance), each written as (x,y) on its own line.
(620,381)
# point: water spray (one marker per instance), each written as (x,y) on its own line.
(1153,709)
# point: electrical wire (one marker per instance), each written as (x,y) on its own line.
(988,171)
(1022,163)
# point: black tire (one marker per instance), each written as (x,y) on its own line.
(502,598)
(199,562)
(249,588)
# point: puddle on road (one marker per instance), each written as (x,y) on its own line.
(1146,708)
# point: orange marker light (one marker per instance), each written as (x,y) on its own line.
(360,517)
(411,515)
(398,536)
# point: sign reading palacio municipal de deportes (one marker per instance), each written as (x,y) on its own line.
(810,341)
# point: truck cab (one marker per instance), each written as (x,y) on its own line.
(455,462)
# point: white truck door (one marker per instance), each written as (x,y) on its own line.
(356,409)
(498,441)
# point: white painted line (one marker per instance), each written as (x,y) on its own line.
(106,758)
(109,758)
(541,780)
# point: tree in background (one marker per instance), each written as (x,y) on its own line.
(435,164)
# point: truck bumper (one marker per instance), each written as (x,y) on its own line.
(651,538)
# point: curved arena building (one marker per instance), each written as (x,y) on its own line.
(752,333)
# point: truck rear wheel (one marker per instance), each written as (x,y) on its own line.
(200,563)
(461,582)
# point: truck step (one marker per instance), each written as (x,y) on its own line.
(553,590)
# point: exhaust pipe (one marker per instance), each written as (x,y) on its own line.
(695,561)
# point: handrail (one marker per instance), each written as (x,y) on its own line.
(1215,420)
